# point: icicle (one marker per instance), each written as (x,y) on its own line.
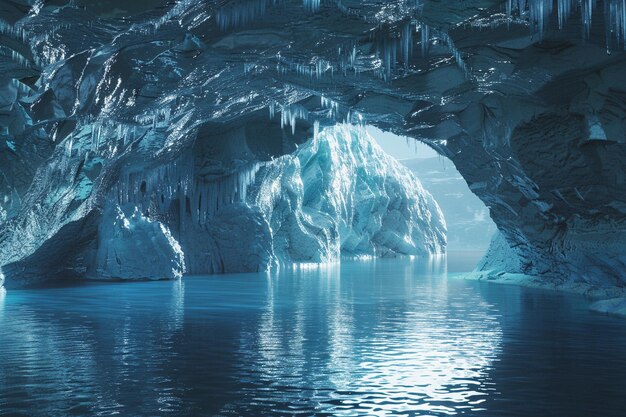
(564,9)
(331,105)
(540,11)
(289,115)
(455,53)
(242,13)
(615,11)
(316,130)
(311,6)
(425,34)
(272,108)
(586,14)
(407,44)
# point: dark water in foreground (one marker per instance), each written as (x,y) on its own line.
(364,338)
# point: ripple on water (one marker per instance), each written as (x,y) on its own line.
(366,338)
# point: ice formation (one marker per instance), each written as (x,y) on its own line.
(341,195)
(338,195)
(131,246)
(166,110)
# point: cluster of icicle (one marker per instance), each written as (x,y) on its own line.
(539,12)
(175,183)
(289,114)
(315,69)
(243,12)
(398,48)
(311,6)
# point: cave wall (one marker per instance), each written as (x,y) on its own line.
(529,106)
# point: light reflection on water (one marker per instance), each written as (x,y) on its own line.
(361,338)
(369,346)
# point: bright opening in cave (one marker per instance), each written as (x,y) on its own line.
(470,228)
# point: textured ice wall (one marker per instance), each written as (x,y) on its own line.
(338,194)
(132,246)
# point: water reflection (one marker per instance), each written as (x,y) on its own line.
(364,338)
(346,341)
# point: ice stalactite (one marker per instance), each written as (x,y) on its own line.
(272,108)
(331,105)
(586,13)
(456,53)
(316,68)
(396,47)
(241,13)
(539,12)
(425,38)
(616,26)
(208,197)
(564,9)
(176,182)
(311,6)
(290,113)
(399,48)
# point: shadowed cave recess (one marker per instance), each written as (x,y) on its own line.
(151,139)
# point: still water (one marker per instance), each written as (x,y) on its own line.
(376,338)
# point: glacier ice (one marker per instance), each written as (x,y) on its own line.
(166,110)
(340,194)
(337,195)
(132,246)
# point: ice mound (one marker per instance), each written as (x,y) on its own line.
(131,246)
(340,194)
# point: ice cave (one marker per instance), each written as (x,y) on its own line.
(213,207)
